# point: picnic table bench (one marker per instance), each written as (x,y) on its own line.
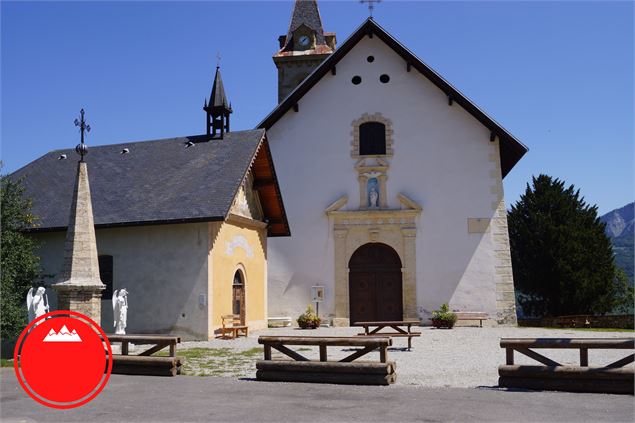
(401,328)
(472,315)
(343,371)
(144,362)
(551,375)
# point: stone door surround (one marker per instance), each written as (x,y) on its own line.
(393,227)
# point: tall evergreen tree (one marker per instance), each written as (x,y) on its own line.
(19,266)
(562,260)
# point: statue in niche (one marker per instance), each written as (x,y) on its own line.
(373,193)
(37,304)
(373,197)
(120,311)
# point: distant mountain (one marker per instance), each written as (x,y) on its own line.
(619,222)
(620,228)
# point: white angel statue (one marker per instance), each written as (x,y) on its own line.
(37,304)
(120,310)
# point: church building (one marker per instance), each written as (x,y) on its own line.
(181,223)
(392,182)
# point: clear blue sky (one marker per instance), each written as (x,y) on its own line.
(557,75)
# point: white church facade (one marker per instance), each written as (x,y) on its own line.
(392,182)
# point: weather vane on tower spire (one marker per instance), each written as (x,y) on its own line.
(371,5)
(81,148)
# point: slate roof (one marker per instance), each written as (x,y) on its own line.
(511,149)
(160,181)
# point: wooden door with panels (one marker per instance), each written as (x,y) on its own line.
(375,284)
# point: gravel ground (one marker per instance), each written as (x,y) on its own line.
(461,357)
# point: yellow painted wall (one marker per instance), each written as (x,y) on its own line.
(232,246)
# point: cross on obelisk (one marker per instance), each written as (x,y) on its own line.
(81,148)
(371,5)
(78,284)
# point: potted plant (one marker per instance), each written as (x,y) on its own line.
(308,319)
(443,318)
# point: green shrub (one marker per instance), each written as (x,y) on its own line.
(443,318)
(308,319)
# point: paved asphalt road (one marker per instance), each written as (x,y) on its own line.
(185,398)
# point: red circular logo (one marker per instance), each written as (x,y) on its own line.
(61,359)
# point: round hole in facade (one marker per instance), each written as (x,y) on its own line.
(384,79)
(370,59)
(356,80)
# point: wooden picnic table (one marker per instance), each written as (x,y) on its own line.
(145,362)
(347,370)
(401,328)
(614,378)
(159,342)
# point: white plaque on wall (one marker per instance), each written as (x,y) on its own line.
(317,294)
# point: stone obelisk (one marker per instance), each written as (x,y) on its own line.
(79,286)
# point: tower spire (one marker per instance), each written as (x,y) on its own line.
(303,47)
(217,108)
(306,12)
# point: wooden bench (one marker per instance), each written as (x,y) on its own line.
(145,363)
(232,326)
(343,371)
(472,315)
(282,321)
(613,378)
(402,328)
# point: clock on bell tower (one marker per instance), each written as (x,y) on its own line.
(304,47)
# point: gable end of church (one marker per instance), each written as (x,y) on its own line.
(511,149)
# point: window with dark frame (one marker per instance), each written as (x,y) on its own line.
(372,139)
(105,274)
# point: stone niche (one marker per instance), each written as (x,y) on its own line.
(393,227)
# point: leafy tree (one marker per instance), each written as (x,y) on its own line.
(562,259)
(625,293)
(19,265)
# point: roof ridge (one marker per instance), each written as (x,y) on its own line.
(158,140)
(511,148)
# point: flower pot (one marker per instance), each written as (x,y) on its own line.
(442,323)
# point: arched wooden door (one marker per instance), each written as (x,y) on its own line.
(375,284)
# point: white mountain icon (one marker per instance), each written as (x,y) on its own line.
(64,335)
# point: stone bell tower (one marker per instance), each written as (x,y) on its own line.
(79,286)
(303,48)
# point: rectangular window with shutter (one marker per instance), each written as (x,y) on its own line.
(372,139)
(105,274)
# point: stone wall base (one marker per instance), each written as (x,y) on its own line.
(623,321)
(340,322)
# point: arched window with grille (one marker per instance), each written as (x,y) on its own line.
(372,139)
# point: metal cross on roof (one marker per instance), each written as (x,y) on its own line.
(81,148)
(218,59)
(371,5)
